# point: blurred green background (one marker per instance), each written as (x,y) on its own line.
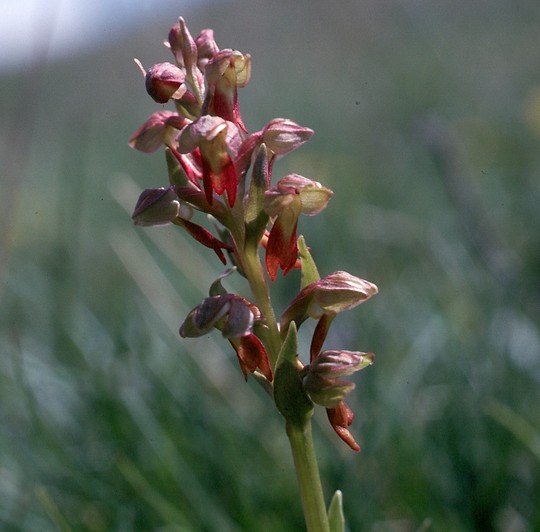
(427,128)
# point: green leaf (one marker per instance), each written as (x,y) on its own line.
(336,519)
(310,274)
(291,399)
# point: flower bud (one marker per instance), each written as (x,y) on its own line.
(282,135)
(232,65)
(340,291)
(313,195)
(231,314)
(326,392)
(321,379)
(335,364)
(206,48)
(160,128)
(165,81)
(335,293)
(156,206)
(182,45)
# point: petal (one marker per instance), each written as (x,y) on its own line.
(206,238)
(341,417)
(252,355)
(281,249)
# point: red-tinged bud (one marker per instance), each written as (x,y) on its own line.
(326,392)
(159,129)
(165,81)
(335,293)
(183,45)
(158,206)
(321,376)
(233,65)
(282,135)
(338,292)
(234,317)
(334,364)
(203,318)
(206,48)
(341,418)
(229,313)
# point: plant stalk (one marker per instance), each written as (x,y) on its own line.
(309,481)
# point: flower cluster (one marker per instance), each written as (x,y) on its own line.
(218,168)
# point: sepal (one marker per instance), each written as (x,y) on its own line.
(256,218)
(289,394)
(341,417)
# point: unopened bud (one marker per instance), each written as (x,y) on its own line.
(206,47)
(321,380)
(159,129)
(335,364)
(231,314)
(156,206)
(282,135)
(165,81)
(326,392)
(335,293)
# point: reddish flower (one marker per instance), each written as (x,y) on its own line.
(292,195)
(234,317)
(336,293)
(252,355)
(225,72)
(214,137)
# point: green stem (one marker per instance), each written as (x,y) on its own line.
(254,272)
(309,481)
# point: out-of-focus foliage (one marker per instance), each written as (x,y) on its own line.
(427,121)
